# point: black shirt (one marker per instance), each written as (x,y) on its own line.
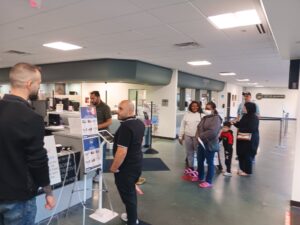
(23,160)
(130,135)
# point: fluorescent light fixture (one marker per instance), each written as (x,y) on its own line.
(62,46)
(237,19)
(259,86)
(242,80)
(199,63)
(252,83)
(227,74)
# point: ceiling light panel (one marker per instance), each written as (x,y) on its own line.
(227,74)
(243,80)
(199,63)
(237,19)
(62,46)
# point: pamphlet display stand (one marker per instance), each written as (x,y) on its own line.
(93,160)
(103,215)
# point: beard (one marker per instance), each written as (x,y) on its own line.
(33,96)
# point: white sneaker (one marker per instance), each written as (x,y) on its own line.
(226,174)
(125,219)
(96,179)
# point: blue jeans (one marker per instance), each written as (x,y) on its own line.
(18,213)
(209,156)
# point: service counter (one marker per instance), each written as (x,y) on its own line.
(64,195)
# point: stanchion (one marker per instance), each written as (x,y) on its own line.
(282,122)
(151,150)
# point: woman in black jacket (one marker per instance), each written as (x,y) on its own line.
(248,124)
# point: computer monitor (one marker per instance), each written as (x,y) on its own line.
(54,119)
(40,107)
(75,105)
(66,103)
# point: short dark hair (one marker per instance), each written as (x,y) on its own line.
(96,93)
(227,124)
(193,102)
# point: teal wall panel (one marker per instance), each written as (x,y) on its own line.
(187,80)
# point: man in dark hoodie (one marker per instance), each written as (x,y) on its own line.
(23,160)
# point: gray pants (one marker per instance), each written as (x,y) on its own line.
(191,145)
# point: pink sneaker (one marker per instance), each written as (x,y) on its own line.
(205,185)
(194,176)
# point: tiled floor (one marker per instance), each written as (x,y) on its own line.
(262,199)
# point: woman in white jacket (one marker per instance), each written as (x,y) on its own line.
(187,134)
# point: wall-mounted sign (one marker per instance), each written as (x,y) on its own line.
(260,96)
(164,102)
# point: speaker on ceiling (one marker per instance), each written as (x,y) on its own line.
(294,74)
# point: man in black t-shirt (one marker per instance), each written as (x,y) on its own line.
(128,156)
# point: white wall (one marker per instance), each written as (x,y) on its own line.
(167,114)
(274,107)
(222,98)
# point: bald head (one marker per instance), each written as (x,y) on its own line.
(125,109)
(22,73)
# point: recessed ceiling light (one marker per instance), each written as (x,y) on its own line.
(237,19)
(62,46)
(242,80)
(199,63)
(227,74)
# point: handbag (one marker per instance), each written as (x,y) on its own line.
(244,136)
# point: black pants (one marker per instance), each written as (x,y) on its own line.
(228,156)
(125,182)
(244,151)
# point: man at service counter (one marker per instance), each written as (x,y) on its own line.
(23,160)
(104,121)
(128,156)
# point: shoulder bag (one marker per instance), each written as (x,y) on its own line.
(244,136)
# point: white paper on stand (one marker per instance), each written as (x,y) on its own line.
(54,172)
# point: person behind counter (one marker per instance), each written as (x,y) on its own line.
(104,121)
(24,161)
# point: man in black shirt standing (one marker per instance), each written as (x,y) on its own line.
(23,160)
(128,156)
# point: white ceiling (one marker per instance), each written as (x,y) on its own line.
(147,30)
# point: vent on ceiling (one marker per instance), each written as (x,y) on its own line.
(191,44)
(17,52)
(260,28)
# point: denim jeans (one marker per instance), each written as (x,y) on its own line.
(18,213)
(209,156)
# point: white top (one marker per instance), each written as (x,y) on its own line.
(189,124)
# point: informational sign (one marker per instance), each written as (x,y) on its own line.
(54,171)
(260,96)
(90,141)
(89,122)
